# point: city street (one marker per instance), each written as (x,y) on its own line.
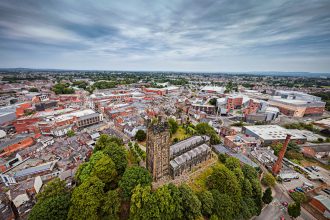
(275,210)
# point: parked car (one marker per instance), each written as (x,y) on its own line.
(315,168)
(285,204)
(299,189)
(286,180)
(291,191)
(309,169)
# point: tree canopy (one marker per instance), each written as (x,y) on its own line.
(294,209)
(140,135)
(190,203)
(132,177)
(53,206)
(206,129)
(173,125)
(267,197)
(87,199)
(268,180)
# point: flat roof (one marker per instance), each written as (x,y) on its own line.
(272,132)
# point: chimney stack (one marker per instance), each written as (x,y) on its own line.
(278,164)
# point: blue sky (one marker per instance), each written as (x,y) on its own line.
(178,35)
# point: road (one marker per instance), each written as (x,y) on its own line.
(275,210)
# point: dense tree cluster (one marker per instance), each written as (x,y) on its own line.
(104,84)
(54,200)
(63,88)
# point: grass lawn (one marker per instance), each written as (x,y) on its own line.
(180,134)
(198,182)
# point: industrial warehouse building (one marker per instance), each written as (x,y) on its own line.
(269,134)
(297,104)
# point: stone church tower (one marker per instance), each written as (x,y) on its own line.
(158,150)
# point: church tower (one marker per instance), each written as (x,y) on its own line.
(158,150)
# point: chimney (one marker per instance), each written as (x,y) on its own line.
(278,164)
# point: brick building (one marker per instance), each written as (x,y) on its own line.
(12,145)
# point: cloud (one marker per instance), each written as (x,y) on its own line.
(166,35)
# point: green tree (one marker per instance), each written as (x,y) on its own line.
(105,170)
(298,197)
(166,204)
(206,129)
(294,210)
(246,188)
(176,200)
(70,133)
(249,172)
(267,197)
(62,89)
(118,154)
(47,208)
(87,199)
(223,205)
(54,188)
(190,203)
(104,140)
(225,181)
(85,170)
(257,194)
(111,205)
(143,204)
(207,201)
(173,125)
(132,177)
(268,180)
(222,158)
(232,163)
(140,135)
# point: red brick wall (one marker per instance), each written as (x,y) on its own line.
(314,111)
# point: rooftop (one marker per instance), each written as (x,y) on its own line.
(272,132)
(180,146)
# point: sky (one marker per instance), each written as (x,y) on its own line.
(166,35)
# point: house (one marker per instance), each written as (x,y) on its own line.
(12,145)
(318,151)
(240,142)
